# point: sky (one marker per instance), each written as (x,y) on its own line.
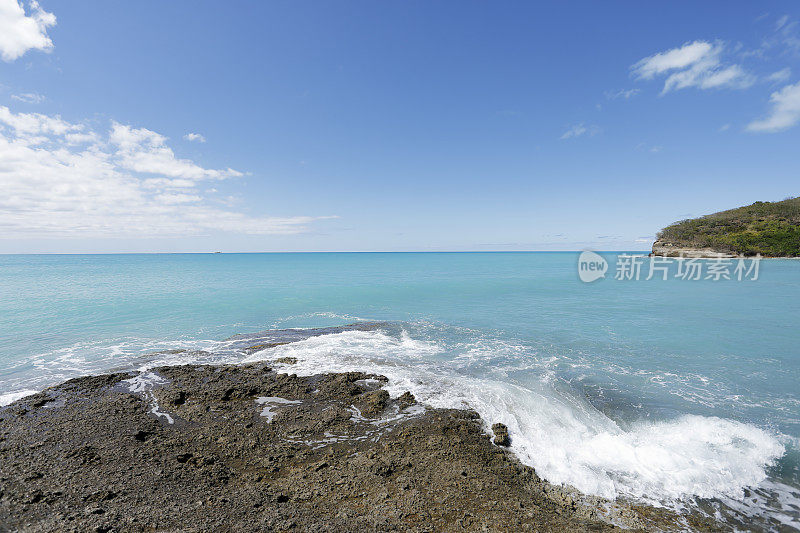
(199,126)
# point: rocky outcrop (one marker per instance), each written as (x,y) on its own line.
(242,448)
(501,437)
(668,249)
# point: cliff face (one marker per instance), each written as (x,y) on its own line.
(771,229)
(669,249)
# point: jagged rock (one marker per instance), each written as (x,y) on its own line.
(501,437)
(406,399)
(373,403)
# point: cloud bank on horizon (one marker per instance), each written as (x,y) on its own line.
(66,179)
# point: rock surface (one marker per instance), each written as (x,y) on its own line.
(668,249)
(501,437)
(241,448)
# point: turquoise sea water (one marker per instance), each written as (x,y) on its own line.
(675,392)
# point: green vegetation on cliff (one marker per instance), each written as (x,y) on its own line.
(766,228)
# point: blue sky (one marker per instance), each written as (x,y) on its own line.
(360,126)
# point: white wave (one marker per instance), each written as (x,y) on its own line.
(11,397)
(314,317)
(94,357)
(561,435)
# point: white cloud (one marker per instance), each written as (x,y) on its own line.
(695,64)
(581,129)
(653,149)
(29,98)
(676,58)
(623,93)
(80,138)
(785,111)
(724,127)
(788,34)
(20,32)
(733,76)
(780,76)
(145,151)
(194,137)
(27,125)
(64,179)
(783,40)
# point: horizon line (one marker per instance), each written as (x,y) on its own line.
(330,252)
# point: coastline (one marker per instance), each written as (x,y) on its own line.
(241,447)
(666,249)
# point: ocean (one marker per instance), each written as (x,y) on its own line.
(678,392)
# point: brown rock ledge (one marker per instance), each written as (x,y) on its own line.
(668,249)
(252,450)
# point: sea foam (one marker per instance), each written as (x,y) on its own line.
(11,397)
(561,435)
